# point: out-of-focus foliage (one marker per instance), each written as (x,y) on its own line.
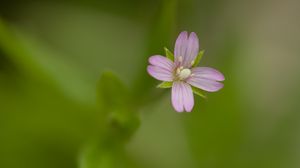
(121,122)
(74,91)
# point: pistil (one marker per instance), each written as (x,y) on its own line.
(183,73)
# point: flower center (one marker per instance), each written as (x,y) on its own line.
(183,73)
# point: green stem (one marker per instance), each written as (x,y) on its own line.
(159,37)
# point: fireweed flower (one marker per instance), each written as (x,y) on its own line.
(179,72)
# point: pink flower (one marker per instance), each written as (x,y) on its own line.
(180,73)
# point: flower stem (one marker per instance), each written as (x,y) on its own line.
(159,36)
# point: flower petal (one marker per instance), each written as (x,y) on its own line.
(162,62)
(208,73)
(160,73)
(180,45)
(188,97)
(205,84)
(177,97)
(182,97)
(192,50)
(186,46)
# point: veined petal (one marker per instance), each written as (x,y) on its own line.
(160,73)
(188,97)
(205,84)
(162,62)
(208,73)
(186,47)
(192,50)
(182,97)
(177,97)
(180,46)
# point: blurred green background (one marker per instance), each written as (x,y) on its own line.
(56,111)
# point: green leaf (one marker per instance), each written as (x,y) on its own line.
(34,58)
(165,85)
(169,54)
(198,58)
(199,92)
(117,104)
(112,93)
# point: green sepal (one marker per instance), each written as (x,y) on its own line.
(169,54)
(199,92)
(198,58)
(165,85)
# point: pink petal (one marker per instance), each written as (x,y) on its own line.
(182,97)
(186,46)
(208,73)
(181,45)
(188,97)
(162,62)
(192,50)
(160,73)
(205,84)
(177,97)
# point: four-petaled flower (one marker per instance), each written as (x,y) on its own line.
(179,72)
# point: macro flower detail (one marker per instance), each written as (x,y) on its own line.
(179,71)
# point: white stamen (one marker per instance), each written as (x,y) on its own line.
(180,59)
(184,73)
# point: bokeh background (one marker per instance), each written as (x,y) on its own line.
(52,55)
